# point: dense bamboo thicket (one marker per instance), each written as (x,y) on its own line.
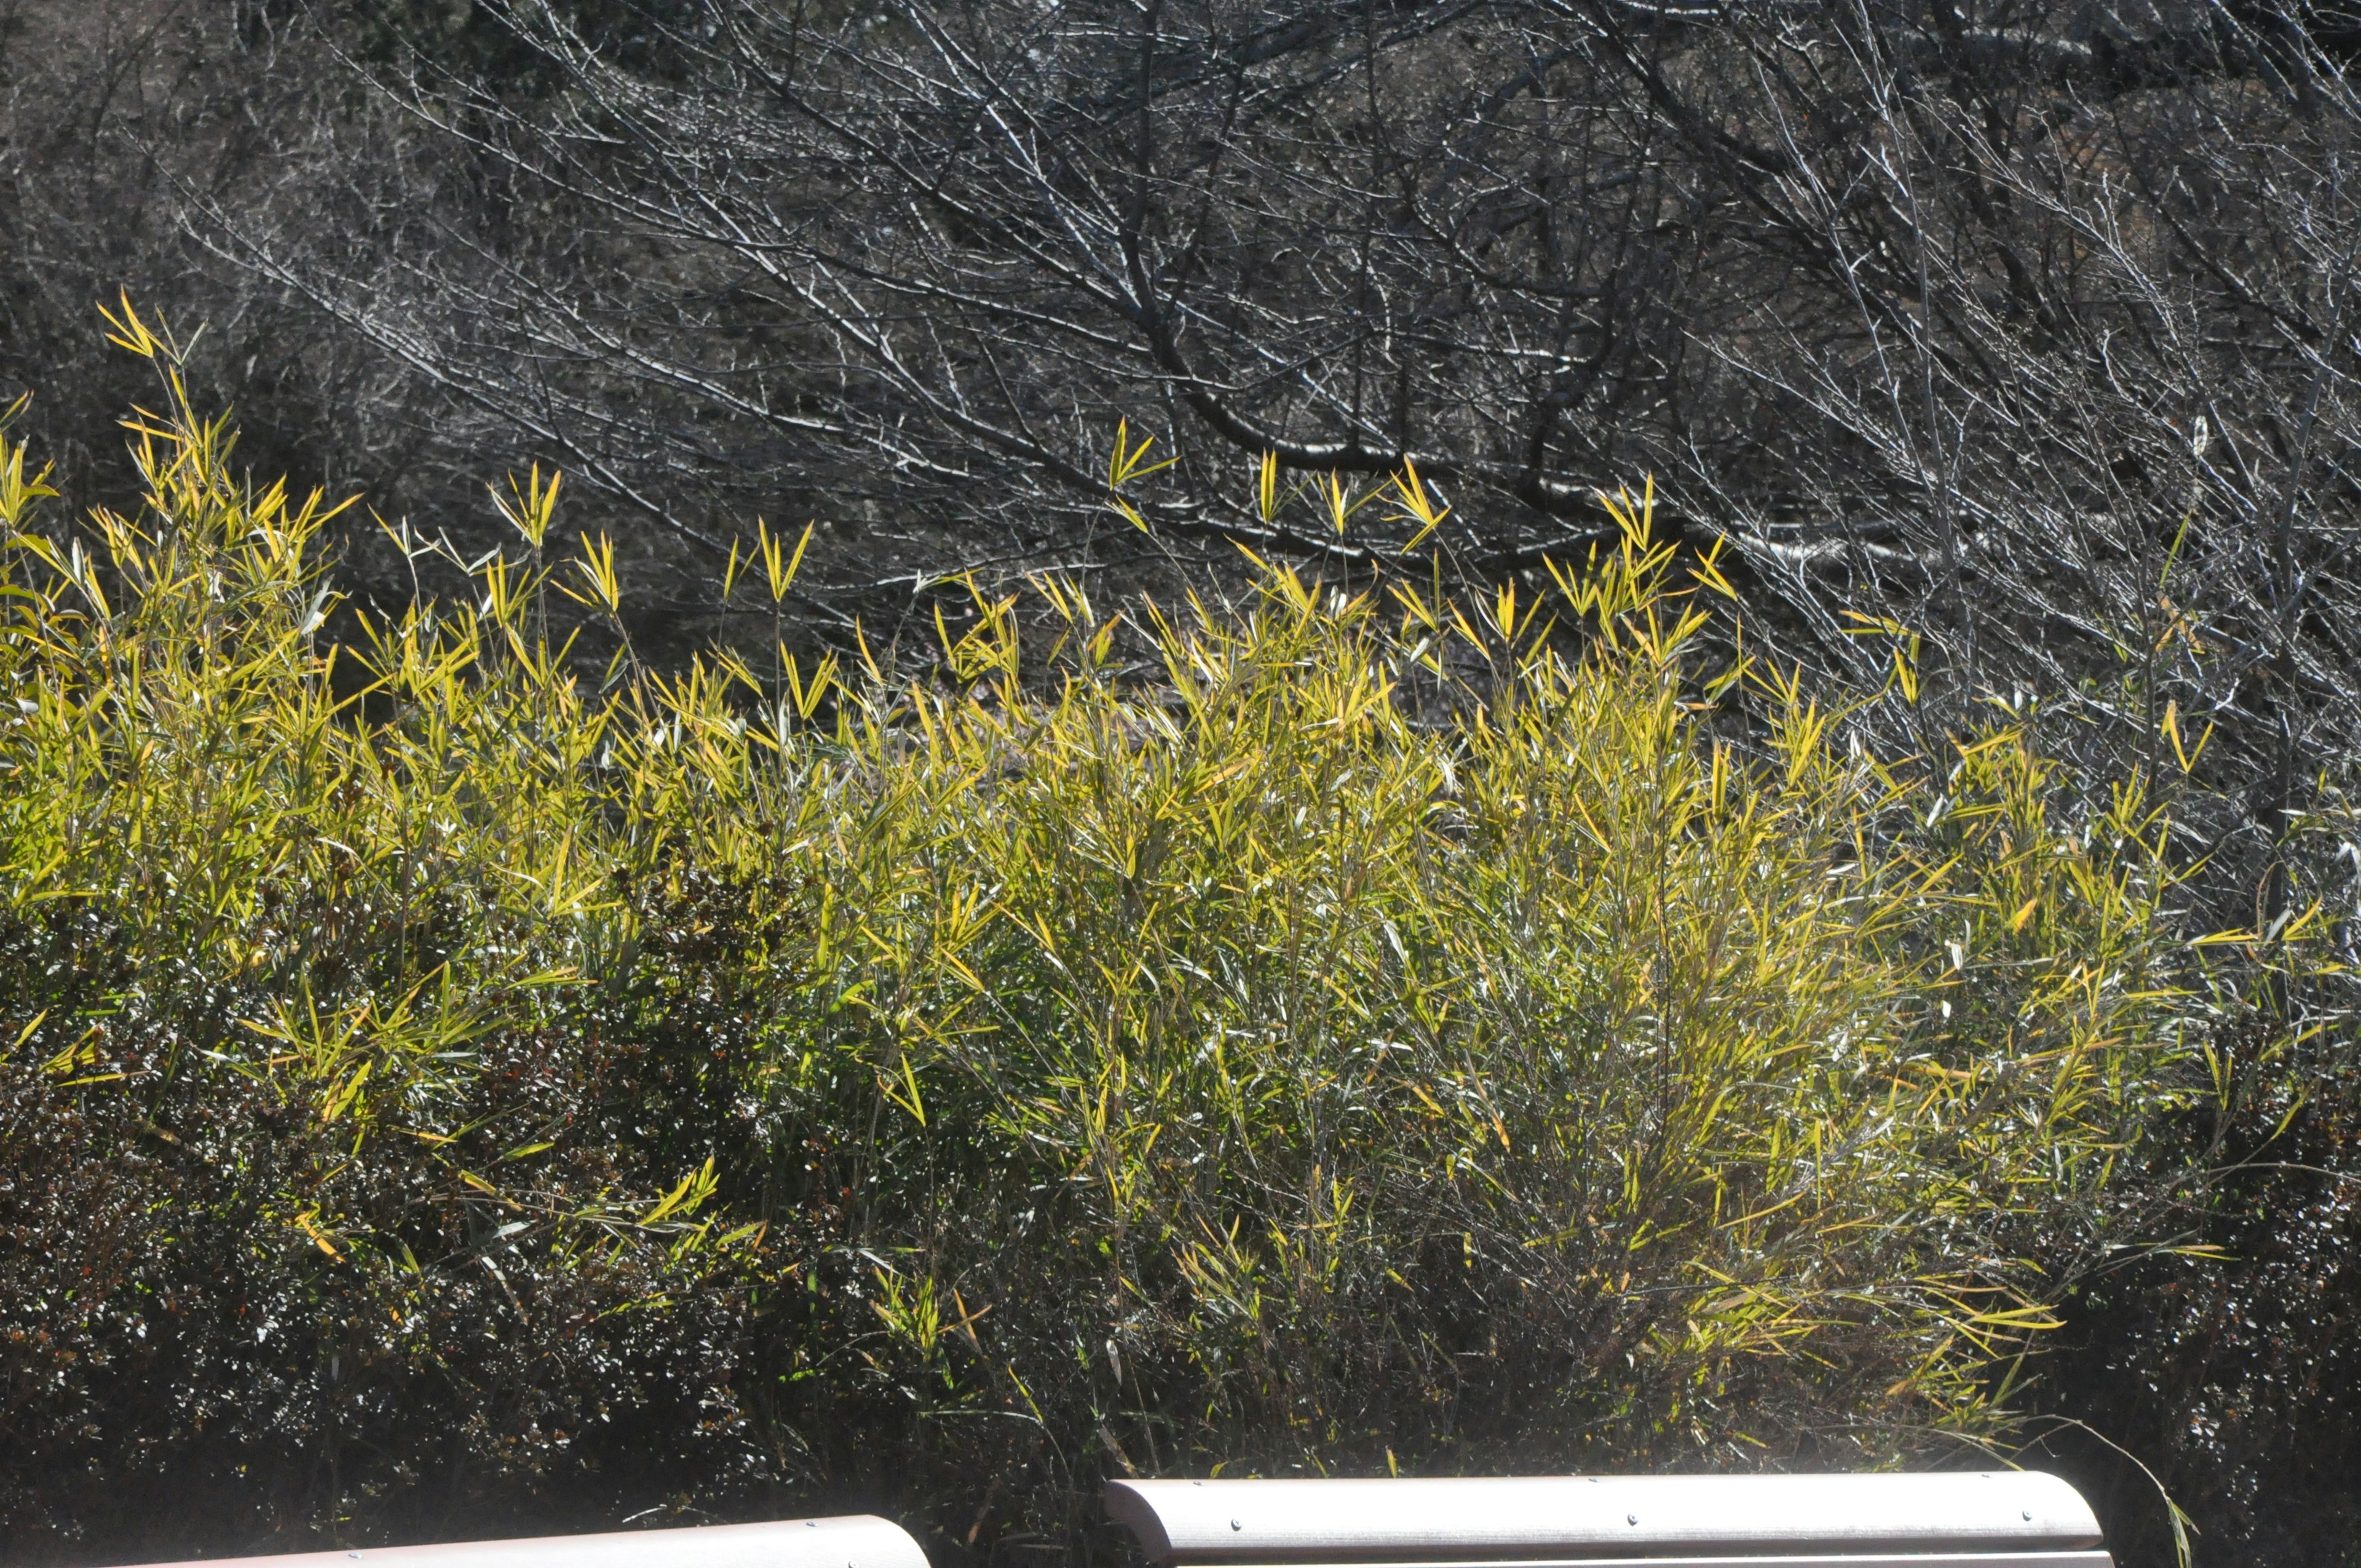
(455,1081)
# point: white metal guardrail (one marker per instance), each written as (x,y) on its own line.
(859,1540)
(1994,1519)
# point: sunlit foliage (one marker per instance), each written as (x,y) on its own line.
(1336,1031)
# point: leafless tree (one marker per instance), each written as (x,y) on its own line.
(2022,325)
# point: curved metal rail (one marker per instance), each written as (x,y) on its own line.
(858,1540)
(1990,1519)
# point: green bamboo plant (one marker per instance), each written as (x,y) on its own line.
(1342,1030)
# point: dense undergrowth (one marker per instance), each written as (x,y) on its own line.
(451,1088)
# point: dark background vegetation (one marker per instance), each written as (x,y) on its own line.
(2030,326)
